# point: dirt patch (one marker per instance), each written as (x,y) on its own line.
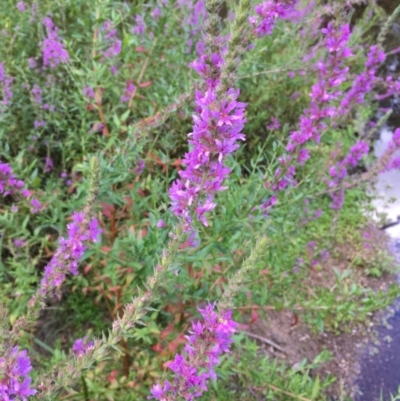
(282,335)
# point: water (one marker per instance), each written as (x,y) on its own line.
(380,367)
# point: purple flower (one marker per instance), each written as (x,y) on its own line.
(21,6)
(156,13)
(48,166)
(10,184)
(161,224)
(88,92)
(129,91)
(364,82)
(268,13)
(36,205)
(324,254)
(274,124)
(82,346)
(194,16)
(140,167)
(217,127)
(394,145)
(15,382)
(311,245)
(331,74)
(97,127)
(206,342)
(53,49)
(338,172)
(268,204)
(318,213)
(356,153)
(114,49)
(114,44)
(70,250)
(140,27)
(32,63)
(19,243)
(5,85)
(39,123)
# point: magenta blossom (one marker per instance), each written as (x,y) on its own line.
(53,49)
(268,13)
(324,93)
(21,6)
(15,383)
(82,346)
(192,369)
(88,92)
(338,172)
(129,91)
(5,86)
(70,250)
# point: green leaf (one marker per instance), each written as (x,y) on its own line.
(315,389)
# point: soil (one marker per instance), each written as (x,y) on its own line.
(293,343)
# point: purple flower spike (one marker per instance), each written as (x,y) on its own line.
(129,91)
(37,93)
(15,384)
(394,146)
(217,128)
(206,343)
(10,185)
(338,172)
(71,249)
(5,87)
(268,13)
(140,27)
(48,166)
(331,74)
(53,49)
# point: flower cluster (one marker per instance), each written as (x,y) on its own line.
(218,123)
(81,346)
(21,6)
(71,249)
(194,17)
(217,127)
(394,146)
(11,185)
(129,91)
(53,49)
(268,13)
(140,26)
(331,74)
(5,83)
(48,165)
(15,383)
(364,82)
(114,45)
(207,341)
(392,88)
(37,93)
(338,172)
(88,92)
